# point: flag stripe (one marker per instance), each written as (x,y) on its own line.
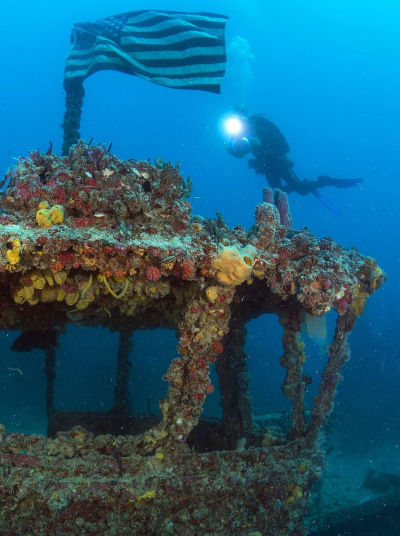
(149,17)
(176,37)
(169,52)
(171,56)
(110,54)
(175,49)
(168,25)
(161,33)
(192,70)
(195,82)
(182,81)
(186,44)
(79,63)
(153,19)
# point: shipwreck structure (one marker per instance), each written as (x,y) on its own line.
(92,240)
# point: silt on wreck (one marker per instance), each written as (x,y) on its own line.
(92,240)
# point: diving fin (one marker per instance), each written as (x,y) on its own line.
(336,210)
(324,180)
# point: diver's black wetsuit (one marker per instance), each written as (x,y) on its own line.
(271,159)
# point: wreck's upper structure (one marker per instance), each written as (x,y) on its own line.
(93,240)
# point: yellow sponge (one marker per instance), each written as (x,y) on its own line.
(56,214)
(234,265)
(42,218)
(14,254)
(46,216)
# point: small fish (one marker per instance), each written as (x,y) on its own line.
(16,370)
(99,214)
(35,339)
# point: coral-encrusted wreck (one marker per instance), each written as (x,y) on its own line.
(90,239)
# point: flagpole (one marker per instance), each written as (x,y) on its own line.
(73,109)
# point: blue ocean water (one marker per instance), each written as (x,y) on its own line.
(327,74)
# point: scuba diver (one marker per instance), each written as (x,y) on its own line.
(257,135)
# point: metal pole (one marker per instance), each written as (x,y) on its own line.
(73,109)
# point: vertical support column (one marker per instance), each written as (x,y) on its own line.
(75,93)
(202,329)
(122,401)
(50,373)
(293,360)
(233,379)
(49,367)
(339,353)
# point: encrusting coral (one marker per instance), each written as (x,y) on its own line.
(91,239)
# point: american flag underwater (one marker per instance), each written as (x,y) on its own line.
(170,48)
